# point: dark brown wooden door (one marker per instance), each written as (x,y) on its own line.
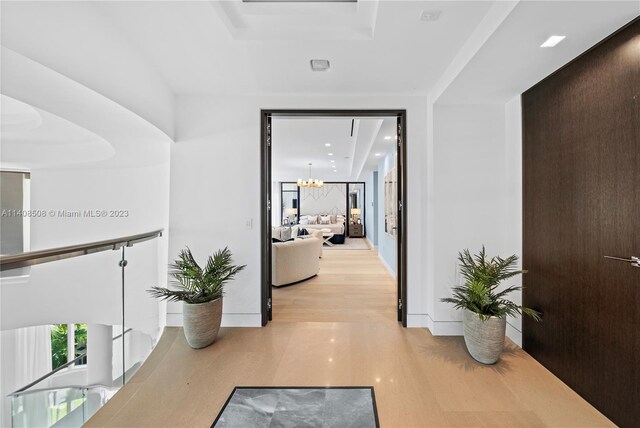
(581,131)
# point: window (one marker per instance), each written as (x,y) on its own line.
(62,343)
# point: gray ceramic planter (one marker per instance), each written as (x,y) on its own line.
(484,339)
(201,322)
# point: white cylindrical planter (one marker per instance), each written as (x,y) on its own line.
(484,338)
(201,322)
(99,354)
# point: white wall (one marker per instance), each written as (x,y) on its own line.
(513,202)
(387,244)
(276,203)
(370,226)
(215,186)
(476,199)
(330,199)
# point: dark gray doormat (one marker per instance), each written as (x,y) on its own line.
(296,407)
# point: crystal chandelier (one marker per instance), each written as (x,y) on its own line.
(310,182)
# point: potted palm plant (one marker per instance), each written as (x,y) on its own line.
(485,308)
(200,291)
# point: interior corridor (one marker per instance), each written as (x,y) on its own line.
(352,286)
(419,380)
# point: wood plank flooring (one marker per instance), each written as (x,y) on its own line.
(353,286)
(419,380)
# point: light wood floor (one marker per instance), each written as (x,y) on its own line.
(420,380)
(353,286)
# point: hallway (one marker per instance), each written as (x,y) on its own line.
(419,380)
(352,286)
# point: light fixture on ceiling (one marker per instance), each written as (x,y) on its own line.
(378,154)
(320,64)
(332,161)
(552,41)
(430,15)
(330,154)
(388,137)
(311,182)
(327,144)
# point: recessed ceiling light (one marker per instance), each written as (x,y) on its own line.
(332,161)
(388,137)
(335,170)
(320,64)
(430,15)
(330,154)
(378,154)
(327,144)
(552,41)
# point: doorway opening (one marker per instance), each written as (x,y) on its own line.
(336,178)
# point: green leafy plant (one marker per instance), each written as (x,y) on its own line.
(480,294)
(194,284)
(59,351)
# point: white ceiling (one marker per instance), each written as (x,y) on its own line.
(511,61)
(34,138)
(265,49)
(300,141)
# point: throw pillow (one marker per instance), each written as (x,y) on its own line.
(312,219)
(285,234)
(325,219)
(275,233)
(333,219)
(294,232)
(304,220)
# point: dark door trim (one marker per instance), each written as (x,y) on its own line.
(266,198)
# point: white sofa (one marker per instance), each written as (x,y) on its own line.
(296,260)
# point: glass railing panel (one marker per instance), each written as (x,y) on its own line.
(95,398)
(36,313)
(73,330)
(46,408)
(141,310)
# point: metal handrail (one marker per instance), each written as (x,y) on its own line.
(44,256)
(53,388)
(64,366)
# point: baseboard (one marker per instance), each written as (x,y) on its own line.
(442,328)
(417,320)
(228,320)
(373,247)
(386,265)
(453,328)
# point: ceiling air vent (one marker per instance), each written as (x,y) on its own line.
(430,15)
(320,65)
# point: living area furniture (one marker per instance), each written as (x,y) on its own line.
(356,230)
(295,260)
(327,235)
(337,226)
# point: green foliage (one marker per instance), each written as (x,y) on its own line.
(480,293)
(59,343)
(194,284)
